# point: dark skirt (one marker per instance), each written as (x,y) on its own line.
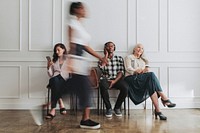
(142,86)
(80,86)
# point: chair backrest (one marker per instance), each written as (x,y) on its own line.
(94,77)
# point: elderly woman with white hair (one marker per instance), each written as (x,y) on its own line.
(144,84)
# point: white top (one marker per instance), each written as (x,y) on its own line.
(79,34)
(55,70)
(79,64)
(132,63)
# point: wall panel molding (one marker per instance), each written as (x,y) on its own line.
(37,81)
(49,44)
(148,12)
(182,27)
(10,82)
(112,21)
(182,82)
(16,40)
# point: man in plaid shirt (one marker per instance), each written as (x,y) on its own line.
(112,77)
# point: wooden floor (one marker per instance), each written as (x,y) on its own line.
(139,121)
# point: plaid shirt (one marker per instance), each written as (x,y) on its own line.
(115,65)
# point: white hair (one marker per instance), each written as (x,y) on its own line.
(142,55)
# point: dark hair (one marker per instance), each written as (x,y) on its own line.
(74,6)
(55,56)
(106,44)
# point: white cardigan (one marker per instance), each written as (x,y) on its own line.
(55,70)
(132,64)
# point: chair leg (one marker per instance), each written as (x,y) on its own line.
(125,106)
(76,103)
(73,103)
(145,104)
(98,110)
(152,108)
(48,99)
(102,106)
(128,106)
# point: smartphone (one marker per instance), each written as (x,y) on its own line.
(48,58)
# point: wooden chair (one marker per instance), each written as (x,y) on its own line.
(94,78)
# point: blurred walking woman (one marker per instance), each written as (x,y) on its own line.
(144,84)
(79,40)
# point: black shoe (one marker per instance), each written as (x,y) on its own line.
(118,112)
(50,116)
(161,116)
(168,103)
(89,124)
(108,113)
(63,111)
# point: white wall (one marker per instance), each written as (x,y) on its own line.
(169,30)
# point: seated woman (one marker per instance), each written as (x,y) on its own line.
(59,74)
(144,83)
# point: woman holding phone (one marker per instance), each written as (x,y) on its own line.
(57,70)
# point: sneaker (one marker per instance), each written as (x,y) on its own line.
(89,124)
(118,112)
(109,113)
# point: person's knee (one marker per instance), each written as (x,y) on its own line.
(103,85)
(151,73)
(55,83)
(53,80)
(124,88)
